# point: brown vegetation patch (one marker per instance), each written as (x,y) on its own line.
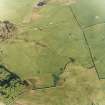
(33,83)
(35,16)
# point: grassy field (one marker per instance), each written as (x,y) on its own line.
(46,39)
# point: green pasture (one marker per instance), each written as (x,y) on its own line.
(41,48)
(89,12)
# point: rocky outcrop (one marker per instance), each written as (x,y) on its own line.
(6,29)
(40,3)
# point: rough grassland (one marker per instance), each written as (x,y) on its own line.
(82,87)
